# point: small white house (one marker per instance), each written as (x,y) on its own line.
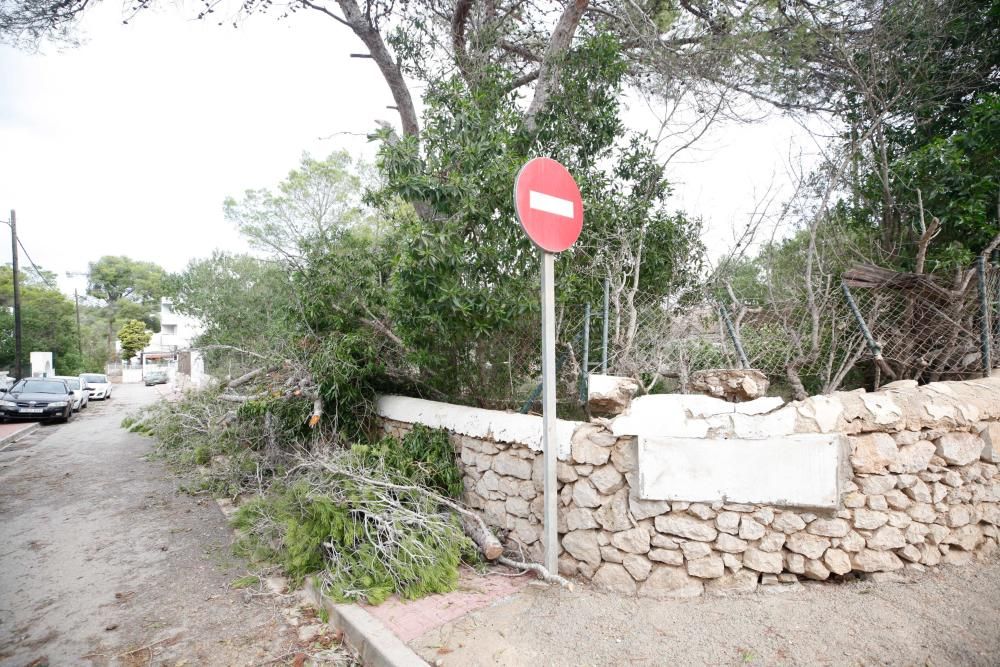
(163,353)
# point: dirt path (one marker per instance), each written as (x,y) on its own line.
(102,559)
(946,618)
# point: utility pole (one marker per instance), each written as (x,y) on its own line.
(17,296)
(76,298)
(79,337)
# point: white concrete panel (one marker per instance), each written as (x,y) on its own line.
(684,415)
(792,471)
(510,427)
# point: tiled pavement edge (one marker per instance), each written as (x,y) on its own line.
(11,432)
(375,644)
(381,634)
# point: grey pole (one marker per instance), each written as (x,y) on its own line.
(585,366)
(549,442)
(604,333)
(984,316)
(17,296)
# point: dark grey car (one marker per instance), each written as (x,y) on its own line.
(37,398)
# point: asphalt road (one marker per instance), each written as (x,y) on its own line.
(104,561)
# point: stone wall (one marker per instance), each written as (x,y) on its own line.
(922,489)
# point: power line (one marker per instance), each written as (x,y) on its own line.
(35,266)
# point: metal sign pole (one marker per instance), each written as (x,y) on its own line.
(549,442)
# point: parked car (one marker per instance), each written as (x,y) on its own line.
(97,385)
(80,396)
(37,398)
(156,377)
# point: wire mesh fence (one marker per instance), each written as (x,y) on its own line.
(904,326)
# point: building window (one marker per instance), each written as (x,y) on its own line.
(169,329)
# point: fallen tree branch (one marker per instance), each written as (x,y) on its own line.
(480,533)
(246,377)
(540,570)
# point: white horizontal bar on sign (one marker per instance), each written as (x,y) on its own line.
(555,205)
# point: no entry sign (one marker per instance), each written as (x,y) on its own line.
(548,204)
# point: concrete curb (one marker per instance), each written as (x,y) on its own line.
(11,437)
(376,645)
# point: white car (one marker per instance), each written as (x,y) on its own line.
(80,396)
(97,385)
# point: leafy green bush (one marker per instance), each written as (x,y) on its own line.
(365,541)
(424,456)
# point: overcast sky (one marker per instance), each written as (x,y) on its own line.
(129,143)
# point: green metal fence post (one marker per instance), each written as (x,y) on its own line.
(984,316)
(604,333)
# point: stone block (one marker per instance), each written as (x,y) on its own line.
(701,511)
(708,567)
(886,538)
(959,448)
(517,506)
(816,570)
(625,455)
(869,519)
(583,546)
(795,563)
(875,484)
(580,518)
(564,472)
(687,527)
(729,544)
(750,529)
(665,582)
(991,442)
(966,537)
(611,555)
(645,509)
(607,479)
(837,561)
(743,581)
(637,566)
(731,384)
(585,495)
(614,578)
(585,451)
(693,550)
(666,556)
(772,541)
(763,561)
(728,522)
(810,546)
(635,540)
(913,458)
(613,514)
(788,522)
(873,453)
(829,527)
(868,560)
(610,395)
(505,463)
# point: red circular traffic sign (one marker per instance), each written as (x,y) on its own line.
(548,204)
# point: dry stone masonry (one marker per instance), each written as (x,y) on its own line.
(919,488)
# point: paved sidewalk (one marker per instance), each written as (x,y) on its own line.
(409,620)
(10,432)
(948,617)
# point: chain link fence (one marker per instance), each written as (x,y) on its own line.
(901,326)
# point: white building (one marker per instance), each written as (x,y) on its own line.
(177,332)
(169,350)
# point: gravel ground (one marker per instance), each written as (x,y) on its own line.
(103,561)
(951,617)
